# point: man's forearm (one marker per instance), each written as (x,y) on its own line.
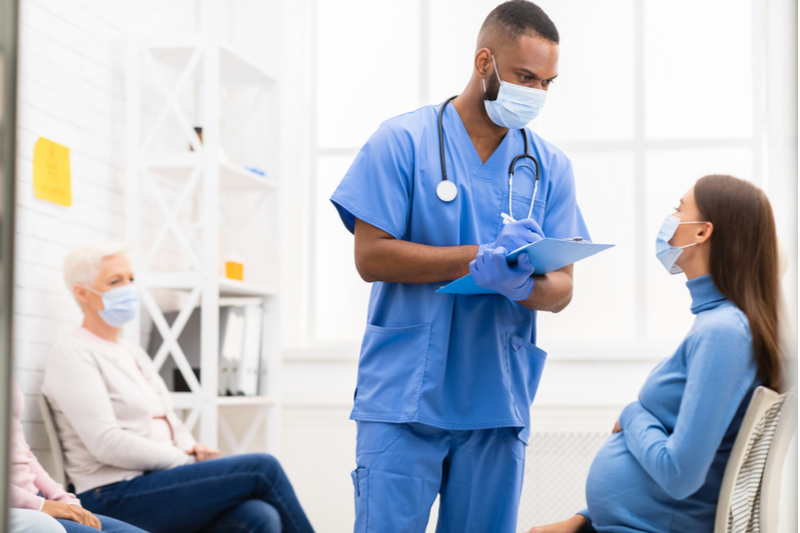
(551,292)
(397,261)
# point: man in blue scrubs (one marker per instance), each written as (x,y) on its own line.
(445,382)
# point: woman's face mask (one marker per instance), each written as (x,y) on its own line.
(120,305)
(665,252)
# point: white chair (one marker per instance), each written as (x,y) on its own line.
(763,398)
(774,469)
(58,474)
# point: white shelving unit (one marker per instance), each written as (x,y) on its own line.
(200,178)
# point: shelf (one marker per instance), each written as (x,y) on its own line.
(184,400)
(188,400)
(232,178)
(245,400)
(235,68)
(186,281)
(232,287)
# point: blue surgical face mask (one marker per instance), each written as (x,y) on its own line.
(667,253)
(119,305)
(515,105)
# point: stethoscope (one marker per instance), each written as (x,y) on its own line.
(447,190)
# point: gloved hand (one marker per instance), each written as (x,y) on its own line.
(491,270)
(518,234)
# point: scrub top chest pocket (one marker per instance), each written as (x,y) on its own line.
(391,370)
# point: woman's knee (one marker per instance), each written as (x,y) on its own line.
(256,516)
(263,463)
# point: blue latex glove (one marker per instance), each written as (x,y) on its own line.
(491,270)
(518,234)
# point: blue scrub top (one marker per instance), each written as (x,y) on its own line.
(451,361)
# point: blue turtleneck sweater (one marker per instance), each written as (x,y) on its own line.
(662,473)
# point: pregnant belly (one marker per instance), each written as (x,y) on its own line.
(621,496)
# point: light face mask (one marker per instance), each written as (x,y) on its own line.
(667,253)
(515,105)
(119,305)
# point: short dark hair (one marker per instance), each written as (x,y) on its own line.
(515,18)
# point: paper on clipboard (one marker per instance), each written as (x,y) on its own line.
(546,256)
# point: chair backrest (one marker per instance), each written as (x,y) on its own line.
(58,474)
(762,399)
(776,460)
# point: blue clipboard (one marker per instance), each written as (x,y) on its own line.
(546,255)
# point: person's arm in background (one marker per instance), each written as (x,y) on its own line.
(76,387)
(182,438)
(720,370)
(47,485)
(23,499)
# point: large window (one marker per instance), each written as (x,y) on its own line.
(651,96)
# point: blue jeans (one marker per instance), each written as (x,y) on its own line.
(109,526)
(243,493)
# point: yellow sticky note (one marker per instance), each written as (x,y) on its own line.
(51,173)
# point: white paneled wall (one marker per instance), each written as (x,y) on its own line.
(71,92)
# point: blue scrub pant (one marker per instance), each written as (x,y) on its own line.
(402,467)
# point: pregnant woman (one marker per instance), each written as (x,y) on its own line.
(662,468)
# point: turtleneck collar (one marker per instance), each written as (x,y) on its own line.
(705,294)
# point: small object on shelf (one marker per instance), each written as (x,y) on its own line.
(249,365)
(231,336)
(255,170)
(199,131)
(234,269)
(179,382)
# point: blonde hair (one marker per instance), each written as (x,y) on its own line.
(82,264)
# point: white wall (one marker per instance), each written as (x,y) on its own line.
(71,63)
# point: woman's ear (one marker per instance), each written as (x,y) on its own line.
(80,294)
(704,232)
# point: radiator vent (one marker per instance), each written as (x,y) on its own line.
(555,476)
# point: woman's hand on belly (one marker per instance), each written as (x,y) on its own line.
(576,524)
(617,427)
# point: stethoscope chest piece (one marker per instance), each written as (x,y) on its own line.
(446,191)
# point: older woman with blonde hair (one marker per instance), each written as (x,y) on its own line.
(126,450)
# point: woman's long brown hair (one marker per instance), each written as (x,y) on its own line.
(744,262)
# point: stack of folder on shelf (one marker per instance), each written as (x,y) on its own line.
(240,349)
(241,366)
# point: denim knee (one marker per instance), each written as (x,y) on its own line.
(272,519)
(256,516)
(266,464)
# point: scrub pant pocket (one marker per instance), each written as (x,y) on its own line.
(361,497)
(392,484)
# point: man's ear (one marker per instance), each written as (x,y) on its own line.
(483,62)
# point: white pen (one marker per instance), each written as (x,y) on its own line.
(507,219)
